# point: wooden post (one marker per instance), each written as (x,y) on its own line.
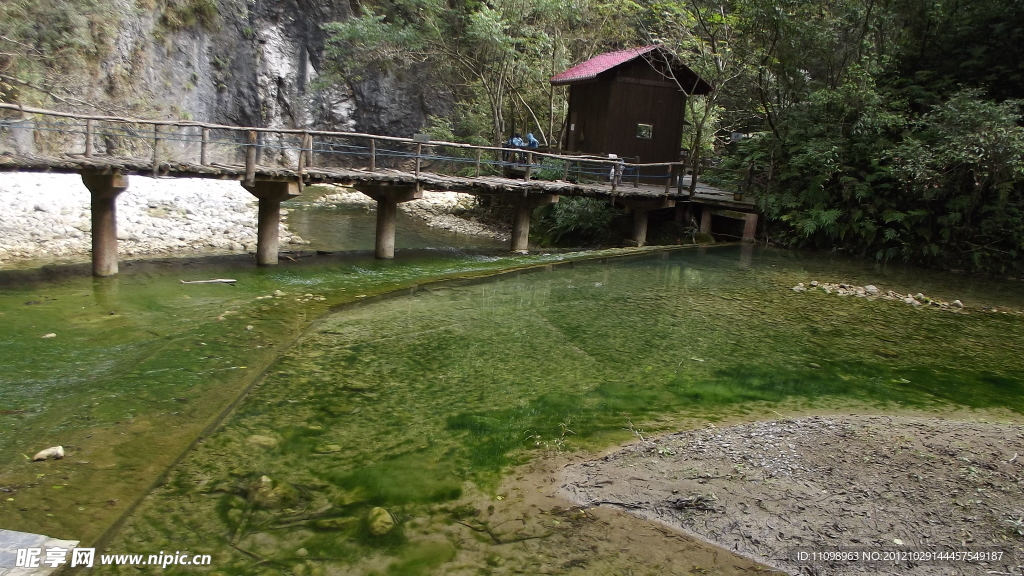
(301,169)
(373,154)
(156,150)
(88,138)
(565,171)
(668,179)
(419,150)
(307,143)
(614,175)
(529,166)
(479,152)
(250,160)
(203,147)
(636,181)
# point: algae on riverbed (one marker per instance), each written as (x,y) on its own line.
(419,404)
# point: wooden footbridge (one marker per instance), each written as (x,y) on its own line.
(276,164)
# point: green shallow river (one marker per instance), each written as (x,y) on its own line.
(422,402)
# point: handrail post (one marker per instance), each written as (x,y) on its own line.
(565,171)
(88,138)
(203,145)
(479,152)
(250,159)
(529,166)
(668,179)
(419,150)
(301,168)
(636,181)
(614,175)
(373,154)
(156,150)
(307,143)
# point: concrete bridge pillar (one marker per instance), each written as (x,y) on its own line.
(388,196)
(641,211)
(521,224)
(270,193)
(104,189)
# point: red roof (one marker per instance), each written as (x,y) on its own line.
(600,63)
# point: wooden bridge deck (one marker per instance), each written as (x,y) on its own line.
(75,163)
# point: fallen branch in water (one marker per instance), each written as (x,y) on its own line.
(214,281)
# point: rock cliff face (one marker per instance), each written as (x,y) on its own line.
(255,64)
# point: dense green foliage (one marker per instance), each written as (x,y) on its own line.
(886,129)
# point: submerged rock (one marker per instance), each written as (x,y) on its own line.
(379,521)
(799,287)
(54,453)
(266,493)
(262,441)
(956,304)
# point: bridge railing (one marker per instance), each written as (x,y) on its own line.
(208,148)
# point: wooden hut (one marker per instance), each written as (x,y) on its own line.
(630,103)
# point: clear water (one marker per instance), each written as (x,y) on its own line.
(421,403)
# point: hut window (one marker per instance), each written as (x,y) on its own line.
(645,131)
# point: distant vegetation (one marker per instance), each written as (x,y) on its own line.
(890,130)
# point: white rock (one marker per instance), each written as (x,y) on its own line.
(54,453)
(50,335)
(956,304)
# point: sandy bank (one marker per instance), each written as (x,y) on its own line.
(900,489)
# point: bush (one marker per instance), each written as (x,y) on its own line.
(576,220)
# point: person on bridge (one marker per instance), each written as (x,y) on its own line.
(531,141)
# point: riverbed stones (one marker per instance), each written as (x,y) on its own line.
(872,292)
(379,521)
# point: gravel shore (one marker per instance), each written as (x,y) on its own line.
(442,210)
(853,494)
(47,216)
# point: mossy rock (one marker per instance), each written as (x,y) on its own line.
(379,521)
(703,238)
(267,493)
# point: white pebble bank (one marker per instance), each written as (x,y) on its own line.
(48,216)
